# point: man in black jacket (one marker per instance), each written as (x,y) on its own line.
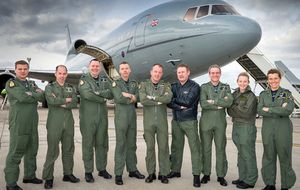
(184,103)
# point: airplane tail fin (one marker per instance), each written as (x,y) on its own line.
(68,37)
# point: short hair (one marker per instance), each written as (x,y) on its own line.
(157,64)
(21,62)
(94,60)
(183,65)
(214,66)
(124,63)
(243,74)
(274,71)
(56,68)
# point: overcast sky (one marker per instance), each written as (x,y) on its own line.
(36,28)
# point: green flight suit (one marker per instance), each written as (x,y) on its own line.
(213,125)
(243,112)
(94,121)
(60,127)
(277,136)
(125,126)
(23,123)
(155,122)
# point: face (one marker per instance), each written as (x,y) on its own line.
(215,74)
(22,71)
(274,81)
(61,75)
(183,74)
(243,83)
(156,74)
(94,68)
(125,71)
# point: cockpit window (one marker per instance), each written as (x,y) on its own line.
(203,11)
(223,10)
(190,14)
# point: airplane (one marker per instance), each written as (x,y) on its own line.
(196,32)
(295,81)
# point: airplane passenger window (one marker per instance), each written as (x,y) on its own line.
(223,10)
(190,14)
(203,11)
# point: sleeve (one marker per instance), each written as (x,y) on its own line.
(173,105)
(190,99)
(39,96)
(203,100)
(284,111)
(260,106)
(72,104)
(167,96)
(225,101)
(87,93)
(118,96)
(18,93)
(143,96)
(51,97)
(244,111)
(106,91)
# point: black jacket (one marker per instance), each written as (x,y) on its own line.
(186,95)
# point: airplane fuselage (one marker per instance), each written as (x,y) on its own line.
(161,35)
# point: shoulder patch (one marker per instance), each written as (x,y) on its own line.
(11,84)
(81,82)
(113,84)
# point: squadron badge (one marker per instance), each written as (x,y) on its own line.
(11,84)
(81,82)
(114,84)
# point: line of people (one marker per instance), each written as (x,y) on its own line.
(275,105)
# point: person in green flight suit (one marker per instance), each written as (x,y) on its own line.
(125,91)
(243,112)
(276,104)
(215,96)
(61,99)
(184,103)
(23,96)
(155,94)
(94,91)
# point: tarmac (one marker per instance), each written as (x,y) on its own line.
(185,182)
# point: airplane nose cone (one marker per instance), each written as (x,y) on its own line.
(250,31)
(242,34)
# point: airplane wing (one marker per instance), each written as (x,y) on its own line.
(43,75)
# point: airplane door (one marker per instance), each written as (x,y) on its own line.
(139,36)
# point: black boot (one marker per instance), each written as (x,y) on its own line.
(104,174)
(150,178)
(89,177)
(16,187)
(164,179)
(174,174)
(205,179)
(136,174)
(196,182)
(119,180)
(48,184)
(71,178)
(222,181)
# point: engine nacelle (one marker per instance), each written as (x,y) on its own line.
(74,48)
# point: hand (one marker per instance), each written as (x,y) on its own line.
(97,93)
(52,94)
(133,98)
(284,104)
(182,107)
(63,106)
(150,97)
(211,101)
(159,103)
(127,95)
(265,109)
(68,100)
(29,93)
(38,90)
(219,107)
